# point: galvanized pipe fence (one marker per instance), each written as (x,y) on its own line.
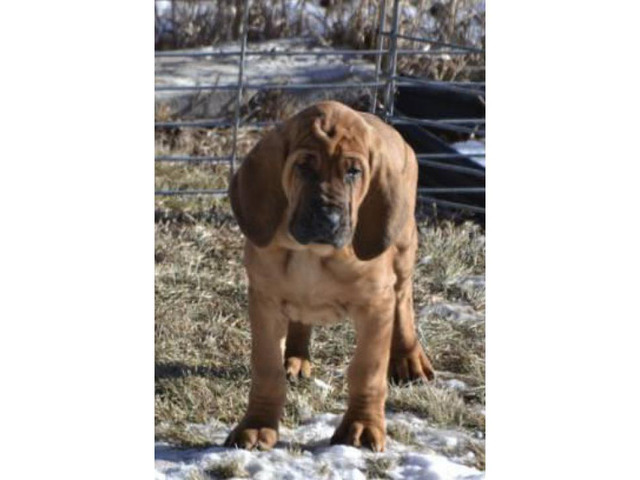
(385,82)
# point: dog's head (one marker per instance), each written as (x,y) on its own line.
(333,175)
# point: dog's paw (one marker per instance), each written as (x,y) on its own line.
(405,367)
(360,434)
(249,438)
(297,367)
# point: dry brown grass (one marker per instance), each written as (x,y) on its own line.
(377,467)
(202,334)
(231,468)
(194,176)
(401,432)
(205,22)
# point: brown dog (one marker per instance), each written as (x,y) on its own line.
(326,202)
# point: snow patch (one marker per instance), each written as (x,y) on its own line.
(433,467)
(455,384)
(304,453)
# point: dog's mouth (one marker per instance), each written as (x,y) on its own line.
(324,225)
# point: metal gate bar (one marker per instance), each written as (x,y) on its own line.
(236,123)
(380,41)
(211,123)
(310,53)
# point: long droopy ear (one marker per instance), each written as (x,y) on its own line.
(390,199)
(257,198)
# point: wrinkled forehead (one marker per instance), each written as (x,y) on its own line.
(333,132)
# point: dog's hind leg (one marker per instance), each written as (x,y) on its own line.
(297,360)
(408,360)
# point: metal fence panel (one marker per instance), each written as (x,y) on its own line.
(388,80)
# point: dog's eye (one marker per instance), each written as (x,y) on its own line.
(353,173)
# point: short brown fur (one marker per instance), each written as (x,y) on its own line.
(294,286)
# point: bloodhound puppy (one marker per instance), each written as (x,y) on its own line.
(326,202)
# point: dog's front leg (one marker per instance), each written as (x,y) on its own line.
(259,427)
(363,423)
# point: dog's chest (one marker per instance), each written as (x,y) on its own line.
(311,290)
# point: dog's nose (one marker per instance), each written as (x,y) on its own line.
(331,219)
(325,223)
(320,224)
